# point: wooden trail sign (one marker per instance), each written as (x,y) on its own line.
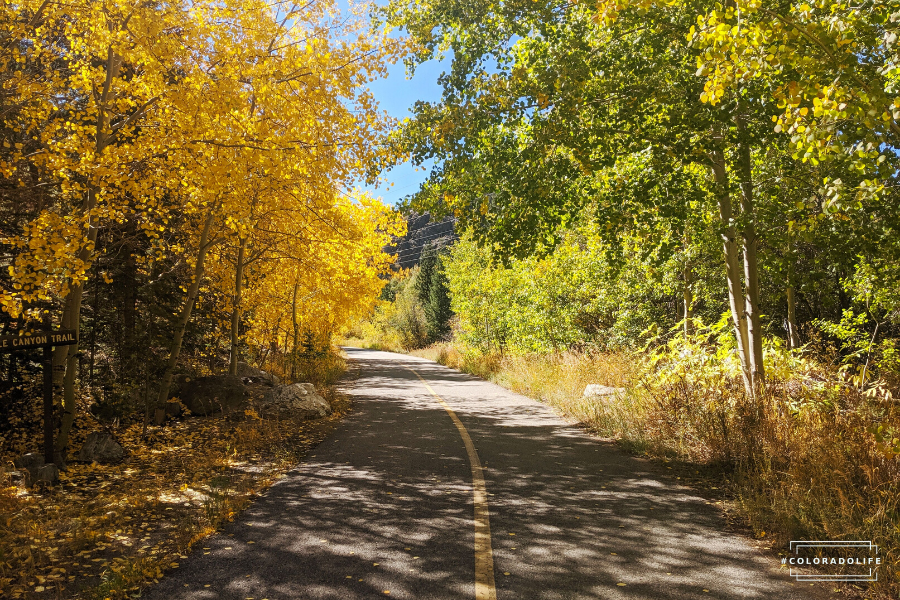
(45,339)
(38,339)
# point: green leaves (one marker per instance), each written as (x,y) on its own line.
(613,113)
(886,441)
(583,294)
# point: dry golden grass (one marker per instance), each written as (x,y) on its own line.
(558,379)
(383,344)
(322,370)
(800,463)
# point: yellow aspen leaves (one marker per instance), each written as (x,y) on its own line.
(254,114)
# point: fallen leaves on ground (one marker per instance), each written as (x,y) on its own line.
(107,530)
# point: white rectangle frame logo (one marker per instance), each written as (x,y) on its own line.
(872,576)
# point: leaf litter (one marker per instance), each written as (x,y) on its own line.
(107,531)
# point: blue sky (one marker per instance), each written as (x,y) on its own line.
(396,94)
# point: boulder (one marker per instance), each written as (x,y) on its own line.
(174,409)
(45,475)
(298,399)
(216,393)
(604,392)
(254,375)
(35,471)
(101,447)
(28,465)
(29,462)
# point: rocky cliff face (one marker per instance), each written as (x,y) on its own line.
(421,231)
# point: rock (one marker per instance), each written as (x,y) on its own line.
(174,409)
(17,477)
(298,399)
(46,475)
(602,391)
(245,371)
(35,471)
(216,393)
(101,447)
(29,462)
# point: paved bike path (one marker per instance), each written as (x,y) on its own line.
(384,508)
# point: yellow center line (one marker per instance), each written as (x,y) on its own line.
(484,556)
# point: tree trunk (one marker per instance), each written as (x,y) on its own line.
(147,365)
(688,300)
(11,365)
(183,318)
(236,306)
(68,355)
(688,292)
(60,352)
(296,330)
(793,334)
(751,264)
(129,306)
(732,269)
(71,369)
(95,310)
(47,364)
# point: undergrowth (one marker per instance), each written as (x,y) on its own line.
(816,456)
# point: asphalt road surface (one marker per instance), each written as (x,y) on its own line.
(386,507)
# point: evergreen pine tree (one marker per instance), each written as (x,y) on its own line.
(437,308)
(427,263)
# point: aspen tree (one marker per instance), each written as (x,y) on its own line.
(226,120)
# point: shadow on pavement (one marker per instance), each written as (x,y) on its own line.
(571,516)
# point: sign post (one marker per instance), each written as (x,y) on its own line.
(45,339)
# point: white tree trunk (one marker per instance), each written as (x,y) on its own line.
(688,292)
(793,334)
(751,266)
(183,318)
(65,358)
(236,307)
(732,268)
